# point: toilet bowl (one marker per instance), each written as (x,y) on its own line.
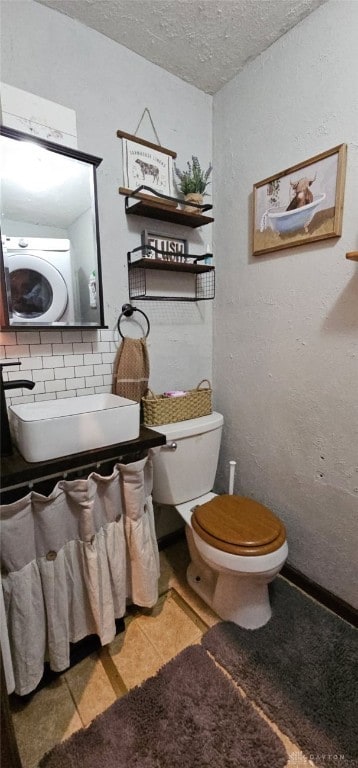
(236,545)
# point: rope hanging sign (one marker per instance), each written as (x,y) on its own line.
(146,111)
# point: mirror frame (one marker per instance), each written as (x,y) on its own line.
(94,161)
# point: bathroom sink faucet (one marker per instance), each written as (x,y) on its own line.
(6,446)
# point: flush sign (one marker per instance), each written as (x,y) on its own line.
(175,249)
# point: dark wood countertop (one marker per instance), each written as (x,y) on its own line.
(15,470)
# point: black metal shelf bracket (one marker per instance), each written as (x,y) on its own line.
(176,258)
(136,192)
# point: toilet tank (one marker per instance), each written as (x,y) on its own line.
(188,470)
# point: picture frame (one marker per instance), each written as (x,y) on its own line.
(145,163)
(301,204)
(177,247)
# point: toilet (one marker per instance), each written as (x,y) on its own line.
(236,545)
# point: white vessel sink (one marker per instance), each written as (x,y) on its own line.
(54,428)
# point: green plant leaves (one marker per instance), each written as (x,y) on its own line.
(193,179)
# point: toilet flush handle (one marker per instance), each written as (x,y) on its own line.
(171,446)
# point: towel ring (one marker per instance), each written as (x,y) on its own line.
(127,311)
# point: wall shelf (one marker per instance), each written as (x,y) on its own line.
(202,283)
(164,208)
(353,255)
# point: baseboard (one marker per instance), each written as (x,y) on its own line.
(322,595)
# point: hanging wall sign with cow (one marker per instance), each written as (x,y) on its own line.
(146,164)
(301,204)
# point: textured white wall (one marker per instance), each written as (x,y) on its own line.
(54,57)
(286,325)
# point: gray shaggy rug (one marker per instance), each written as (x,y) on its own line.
(188,716)
(302,670)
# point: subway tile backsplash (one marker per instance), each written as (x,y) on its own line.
(61,363)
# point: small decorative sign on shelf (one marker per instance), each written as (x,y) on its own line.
(176,248)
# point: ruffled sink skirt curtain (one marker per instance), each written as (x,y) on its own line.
(69,563)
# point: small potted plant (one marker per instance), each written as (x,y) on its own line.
(193,183)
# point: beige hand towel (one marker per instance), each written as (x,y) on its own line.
(131,369)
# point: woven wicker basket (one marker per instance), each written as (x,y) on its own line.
(163,409)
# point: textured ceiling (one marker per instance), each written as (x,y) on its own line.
(204,42)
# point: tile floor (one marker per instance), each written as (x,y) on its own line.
(150,640)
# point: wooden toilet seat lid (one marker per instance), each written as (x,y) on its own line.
(238,525)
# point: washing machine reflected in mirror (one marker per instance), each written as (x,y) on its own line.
(39,280)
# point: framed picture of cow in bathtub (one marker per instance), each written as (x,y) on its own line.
(302,204)
(146,164)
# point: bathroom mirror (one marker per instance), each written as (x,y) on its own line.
(50,255)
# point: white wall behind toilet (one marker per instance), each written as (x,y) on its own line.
(287,339)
